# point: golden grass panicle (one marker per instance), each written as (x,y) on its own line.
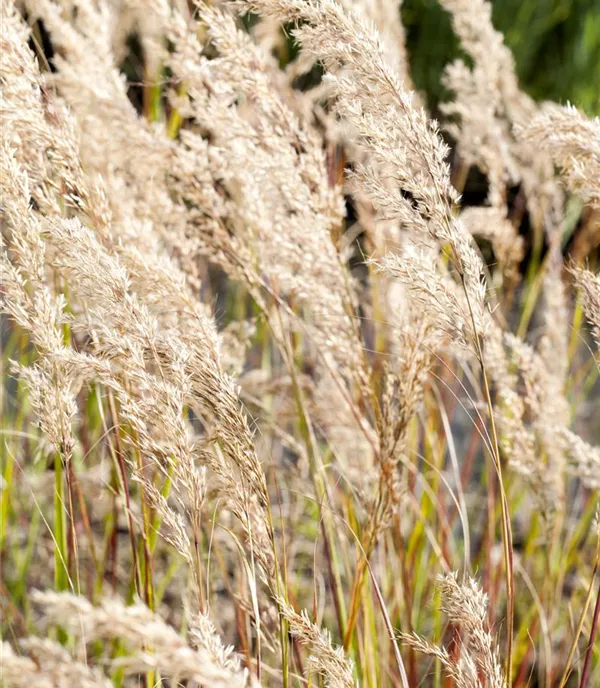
(402,143)
(154,644)
(573,141)
(476,662)
(589,283)
(45,663)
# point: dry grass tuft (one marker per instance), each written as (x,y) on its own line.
(270,383)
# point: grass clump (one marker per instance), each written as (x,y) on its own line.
(288,398)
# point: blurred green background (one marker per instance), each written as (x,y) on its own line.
(556,44)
